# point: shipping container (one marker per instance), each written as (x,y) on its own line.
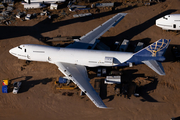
(5,89)
(62,80)
(5,82)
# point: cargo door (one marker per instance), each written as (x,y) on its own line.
(108,61)
(174,25)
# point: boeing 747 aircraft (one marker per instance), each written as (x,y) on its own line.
(73,59)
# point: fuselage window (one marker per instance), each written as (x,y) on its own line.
(24,50)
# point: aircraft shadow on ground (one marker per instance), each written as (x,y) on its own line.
(170,55)
(11,81)
(146,89)
(130,33)
(132,87)
(47,25)
(27,83)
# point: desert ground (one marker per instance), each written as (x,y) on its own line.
(37,99)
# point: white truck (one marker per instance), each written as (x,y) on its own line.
(28,17)
(113,80)
(16,87)
(33,5)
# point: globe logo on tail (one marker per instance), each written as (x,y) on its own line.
(158,46)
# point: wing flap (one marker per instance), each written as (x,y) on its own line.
(156,66)
(78,75)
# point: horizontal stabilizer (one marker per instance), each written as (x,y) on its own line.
(156,66)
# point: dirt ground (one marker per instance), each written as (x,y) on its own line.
(37,99)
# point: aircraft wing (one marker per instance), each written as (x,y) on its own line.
(79,76)
(90,38)
(156,66)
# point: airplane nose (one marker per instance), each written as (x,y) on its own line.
(12,51)
(157,21)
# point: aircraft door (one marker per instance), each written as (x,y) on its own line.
(174,25)
(108,60)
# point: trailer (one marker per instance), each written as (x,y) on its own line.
(112,80)
(33,5)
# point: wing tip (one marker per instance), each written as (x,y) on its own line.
(162,73)
(104,107)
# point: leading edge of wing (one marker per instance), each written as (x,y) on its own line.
(90,38)
(78,75)
(101,29)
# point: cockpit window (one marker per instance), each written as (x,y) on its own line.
(19,47)
(164,18)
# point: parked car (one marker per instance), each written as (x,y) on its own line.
(20,14)
(28,17)
(16,87)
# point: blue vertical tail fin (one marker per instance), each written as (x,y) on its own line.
(156,49)
(152,53)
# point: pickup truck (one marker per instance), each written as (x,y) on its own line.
(16,87)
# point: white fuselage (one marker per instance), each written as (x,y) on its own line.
(85,57)
(169,22)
